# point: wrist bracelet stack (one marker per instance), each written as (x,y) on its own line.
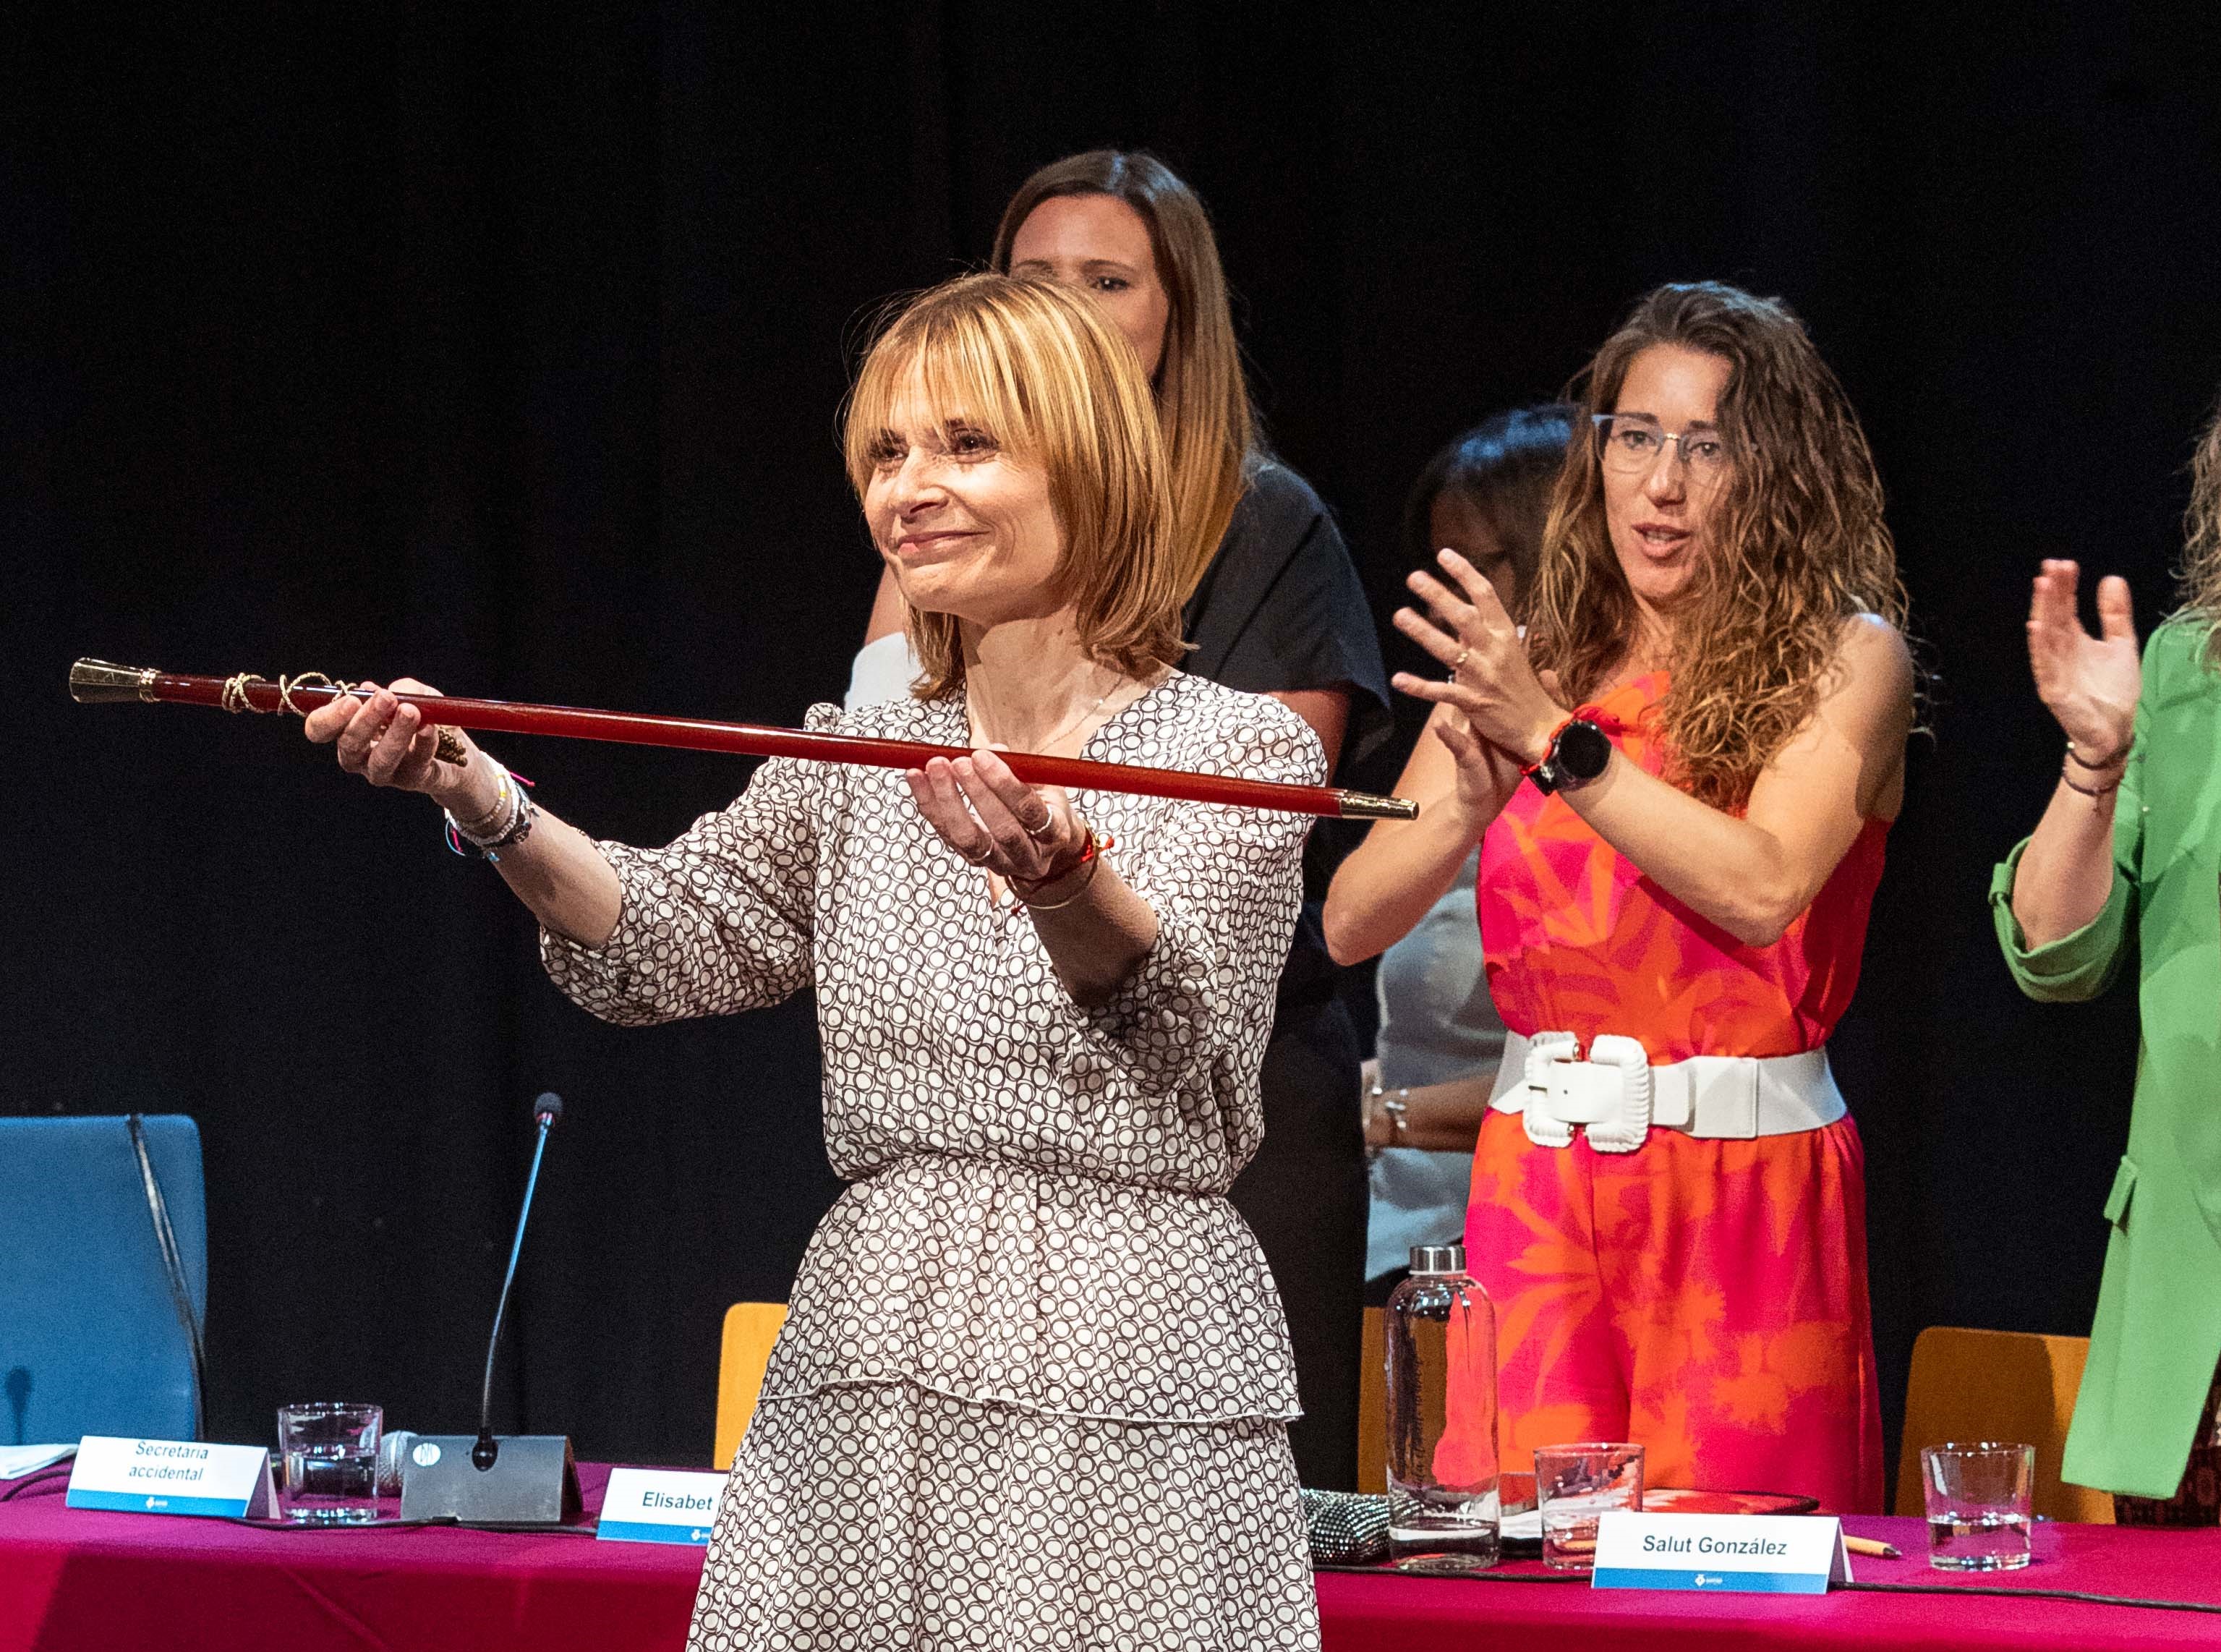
(1089,857)
(2118,763)
(508,823)
(1397,1105)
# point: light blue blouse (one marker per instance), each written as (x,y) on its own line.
(1437,1024)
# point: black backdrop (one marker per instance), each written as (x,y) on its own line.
(505,347)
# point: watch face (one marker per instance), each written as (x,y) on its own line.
(1583,751)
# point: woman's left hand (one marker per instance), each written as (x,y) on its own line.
(1490,681)
(1021,833)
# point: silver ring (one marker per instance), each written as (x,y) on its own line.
(980,858)
(1458,663)
(1047,826)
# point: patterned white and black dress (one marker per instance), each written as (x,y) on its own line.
(1035,1382)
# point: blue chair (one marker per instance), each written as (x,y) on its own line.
(93,1332)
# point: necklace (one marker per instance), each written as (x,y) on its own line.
(1100,700)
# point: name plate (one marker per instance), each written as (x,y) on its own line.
(1721,1554)
(172,1477)
(659,1506)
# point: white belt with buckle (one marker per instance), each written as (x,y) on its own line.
(1617,1097)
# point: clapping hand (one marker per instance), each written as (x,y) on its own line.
(2090,683)
(1498,713)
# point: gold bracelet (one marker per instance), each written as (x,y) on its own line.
(1091,863)
(1097,843)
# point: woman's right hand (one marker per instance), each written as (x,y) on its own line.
(391,744)
(559,872)
(2090,683)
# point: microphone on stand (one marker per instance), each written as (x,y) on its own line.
(545,1111)
(526,1480)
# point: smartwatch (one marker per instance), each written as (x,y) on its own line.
(1579,751)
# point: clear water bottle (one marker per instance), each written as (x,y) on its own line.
(1442,1505)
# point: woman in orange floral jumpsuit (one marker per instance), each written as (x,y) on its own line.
(1681,776)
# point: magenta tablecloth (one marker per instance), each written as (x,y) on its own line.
(87,1580)
(74,1579)
(1391,1613)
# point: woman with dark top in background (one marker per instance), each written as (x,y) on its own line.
(1274,606)
(1485,496)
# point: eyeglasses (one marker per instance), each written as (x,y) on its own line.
(1634,442)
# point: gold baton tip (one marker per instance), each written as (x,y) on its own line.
(95,682)
(1364,805)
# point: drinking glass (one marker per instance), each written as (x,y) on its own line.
(1979,1495)
(1574,1486)
(330,1452)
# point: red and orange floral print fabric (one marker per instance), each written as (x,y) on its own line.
(1578,941)
(1708,1299)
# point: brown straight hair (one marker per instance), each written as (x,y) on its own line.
(1201,397)
(1054,385)
(1795,546)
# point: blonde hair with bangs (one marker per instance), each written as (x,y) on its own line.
(1795,545)
(1054,385)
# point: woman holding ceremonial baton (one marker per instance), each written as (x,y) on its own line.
(1035,1382)
(1681,776)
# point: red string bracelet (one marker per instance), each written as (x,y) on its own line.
(1579,714)
(1088,856)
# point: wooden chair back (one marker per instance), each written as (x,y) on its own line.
(751,1328)
(1373,1405)
(1372,1400)
(1997,1385)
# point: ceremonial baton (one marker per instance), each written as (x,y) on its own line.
(97,682)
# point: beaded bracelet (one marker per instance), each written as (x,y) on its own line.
(513,806)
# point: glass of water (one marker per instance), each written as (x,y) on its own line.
(330,1452)
(1574,1487)
(1979,1495)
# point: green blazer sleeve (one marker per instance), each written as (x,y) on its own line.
(2084,964)
(2156,1331)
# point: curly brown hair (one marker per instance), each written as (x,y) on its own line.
(1795,546)
(2201,569)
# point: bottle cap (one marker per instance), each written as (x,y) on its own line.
(1438,1259)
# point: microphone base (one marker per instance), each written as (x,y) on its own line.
(533,1482)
